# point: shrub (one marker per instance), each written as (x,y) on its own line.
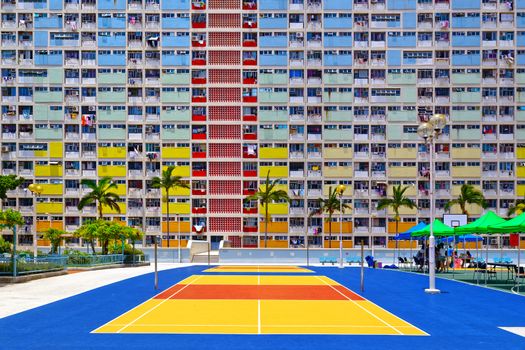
(5,247)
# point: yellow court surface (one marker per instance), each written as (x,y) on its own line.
(237,304)
(272,269)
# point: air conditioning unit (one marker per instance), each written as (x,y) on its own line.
(5,149)
(92,108)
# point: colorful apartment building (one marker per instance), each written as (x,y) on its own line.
(316,92)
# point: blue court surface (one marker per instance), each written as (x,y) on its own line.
(462,317)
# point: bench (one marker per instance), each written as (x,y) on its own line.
(327,260)
(353,259)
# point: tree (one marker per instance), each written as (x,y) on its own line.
(167,182)
(396,202)
(9,183)
(329,206)
(55,237)
(468,195)
(101,230)
(517,208)
(101,194)
(11,219)
(88,232)
(268,193)
(133,235)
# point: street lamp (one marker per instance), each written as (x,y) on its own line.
(429,132)
(340,189)
(36,190)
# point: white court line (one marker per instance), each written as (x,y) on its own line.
(515,330)
(251,325)
(159,304)
(364,309)
(139,305)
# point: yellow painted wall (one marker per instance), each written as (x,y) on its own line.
(176,208)
(472,209)
(49,207)
(411,190)
(41,154)
(107,210)
(404,172)
(403,211)
(271,153)
(466,171)
(176,152)
(344,153)
(521,190)
(121,190)
(49,170)
(520,152)
(347,192)
(184,170)
(275,171)
(112,170)
(401,153)
(111,152)
(178,191)
(56,149)
(465,153)
(338,171)
(456,189)
(52,189)
(275,209)
(520,171)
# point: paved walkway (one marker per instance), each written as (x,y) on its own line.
(15,298)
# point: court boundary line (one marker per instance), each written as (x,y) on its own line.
(156,306)
(419,329)
(365,309)
(139,305)
(251,325)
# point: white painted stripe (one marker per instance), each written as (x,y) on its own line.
(159,304)
(251,325)
(363,308)
(139,305)
(516,330)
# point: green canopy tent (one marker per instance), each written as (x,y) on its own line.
(439,229)
(478,226)
(514,225)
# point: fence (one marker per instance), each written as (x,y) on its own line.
(27,265)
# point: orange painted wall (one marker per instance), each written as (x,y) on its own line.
(402,244)
(42,226)
(347,227)
(275,227)
(184,227)
(335,244)
(174,243)
(403,226)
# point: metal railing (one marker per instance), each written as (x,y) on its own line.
(28,265)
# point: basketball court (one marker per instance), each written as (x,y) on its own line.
(259,304)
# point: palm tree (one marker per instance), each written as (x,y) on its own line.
(167,182)
(396,202)
(101,194)
(330,206)
(468,195)
(55,237)
(517,208)
(266,195)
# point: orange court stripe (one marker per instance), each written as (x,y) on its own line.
(347,292)
(170,291)
(261,292)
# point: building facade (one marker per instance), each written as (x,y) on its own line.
(316,92)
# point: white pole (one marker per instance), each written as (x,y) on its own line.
(519,264)
(178,237)
(341,230)
(432,240)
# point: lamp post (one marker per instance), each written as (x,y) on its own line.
(430,131)
(36,190)
(340,189)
